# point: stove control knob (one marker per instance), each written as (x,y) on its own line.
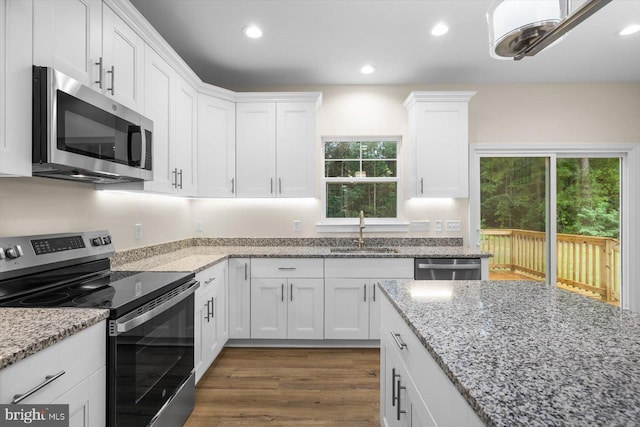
(2,255)
(106,240)
(96,241)
(14,252)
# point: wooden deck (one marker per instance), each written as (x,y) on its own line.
(290,387)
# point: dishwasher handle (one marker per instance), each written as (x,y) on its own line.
(449,266)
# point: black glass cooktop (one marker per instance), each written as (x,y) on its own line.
(118,291)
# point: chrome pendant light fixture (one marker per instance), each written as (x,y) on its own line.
(519,28)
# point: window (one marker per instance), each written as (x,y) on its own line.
(361,174)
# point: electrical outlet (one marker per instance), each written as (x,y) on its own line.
(437,226)
(198,225)
(137,231)
(454,225)
(296,225)
(420,226)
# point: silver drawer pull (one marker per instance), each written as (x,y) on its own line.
(47,380)
(286,268)
(209,280)
(396,338)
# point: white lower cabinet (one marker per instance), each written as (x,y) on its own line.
(410,378)
(239,298)
(352,298)
(81,382)
(211,324)
(288,301)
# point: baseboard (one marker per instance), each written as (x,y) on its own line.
(303,343)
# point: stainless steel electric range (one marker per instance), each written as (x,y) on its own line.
(150,367)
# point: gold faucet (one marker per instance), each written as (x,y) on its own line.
(360,241)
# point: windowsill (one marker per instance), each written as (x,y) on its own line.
(370,227)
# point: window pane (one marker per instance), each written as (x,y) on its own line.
(588,218)
(379,168)
(341,150)
(339,168)
(512,213)
(379,150)
(346,200)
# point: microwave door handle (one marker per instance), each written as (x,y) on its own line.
(132,130)
(126,323)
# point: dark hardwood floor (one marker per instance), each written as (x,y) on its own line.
(290,387)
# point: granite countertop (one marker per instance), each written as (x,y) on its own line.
(198,258)
(522,353)
(25,331)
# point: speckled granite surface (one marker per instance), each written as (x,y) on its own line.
(524,354)
(198,258)
(25,331)
(245,245)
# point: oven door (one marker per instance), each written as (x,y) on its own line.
(151,362)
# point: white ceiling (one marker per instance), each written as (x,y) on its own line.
(318,42)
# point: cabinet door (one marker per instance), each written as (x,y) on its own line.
(256,149)
(442,149)
(346,311)
(159,81)
(268,308)
(87,401)
(305,311)
(68,37)
(123,61)
(239,298)
(216,147)
(296,149)
(185,147)
(15,87)
(211,340)
(221,312)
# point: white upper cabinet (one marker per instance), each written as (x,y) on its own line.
(438,144)
(185,121)
(276,148)
(15,87)
(68,37)
(216,147)
(88,41)
(123,61)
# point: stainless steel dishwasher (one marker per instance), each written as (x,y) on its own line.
(447,269)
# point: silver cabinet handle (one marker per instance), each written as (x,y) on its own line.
(233,185)
(421,185)
(394,398)
(209,280)
(449,266)
(280,185)
(374,292)
(271,186)
(213,308)
(245,271)
(400,411)
(282,292)
(174,180)
(365,292)
(208,316)
(291,291)
(47,380)
(399,342)
(112,71)
(99,64)
(286,268)
(180,173)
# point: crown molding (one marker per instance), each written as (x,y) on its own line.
(437,96)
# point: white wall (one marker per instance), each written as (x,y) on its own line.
(576,113)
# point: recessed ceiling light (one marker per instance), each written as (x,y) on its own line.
(629,29)
(252,31)
(439,29)
(367,69)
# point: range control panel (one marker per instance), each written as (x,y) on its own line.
(24,254)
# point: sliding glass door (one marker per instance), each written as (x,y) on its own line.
(573,201)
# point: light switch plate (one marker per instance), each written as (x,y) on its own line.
(454,225)
(137,231)
(198,225)
(420,226)
(437,226)
(296,225)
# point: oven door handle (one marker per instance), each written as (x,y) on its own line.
(449,266)
(127,323)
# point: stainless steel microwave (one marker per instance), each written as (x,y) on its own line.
(82,135)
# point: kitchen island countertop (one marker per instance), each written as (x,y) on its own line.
(522,353)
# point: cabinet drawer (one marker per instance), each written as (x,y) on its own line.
(380,268)
(287,267)
(63,356)
(210,276)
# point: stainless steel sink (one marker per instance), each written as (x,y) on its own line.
(364,250)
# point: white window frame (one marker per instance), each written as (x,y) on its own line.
(629,201)
(350,225)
